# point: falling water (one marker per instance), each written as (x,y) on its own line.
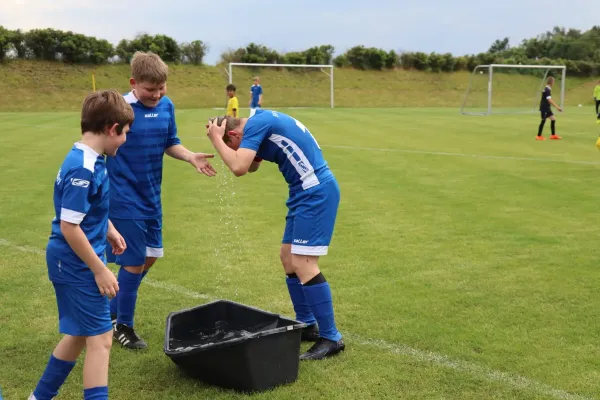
(228,250)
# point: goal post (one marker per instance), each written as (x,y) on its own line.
(510,88)
(326,69)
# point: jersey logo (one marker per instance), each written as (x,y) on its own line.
(80,182)
(58,178)
(154,115)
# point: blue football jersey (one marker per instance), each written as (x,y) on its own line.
(255,92)
(136,171)
(281,139)
(80,197)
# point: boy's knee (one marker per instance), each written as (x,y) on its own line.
(135,270)
(100,342)
(149,263)
(285,255)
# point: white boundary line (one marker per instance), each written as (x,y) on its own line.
(477,371)
(442,153)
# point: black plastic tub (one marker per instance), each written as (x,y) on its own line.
(234,346)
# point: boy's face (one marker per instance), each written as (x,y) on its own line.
(113,140)
(256,81)
(149,94)
(230,93)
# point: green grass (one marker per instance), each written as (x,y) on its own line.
(46,86)
(454,276)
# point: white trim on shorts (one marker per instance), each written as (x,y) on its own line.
(309,250)
(155,252)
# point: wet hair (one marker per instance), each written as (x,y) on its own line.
(230,125)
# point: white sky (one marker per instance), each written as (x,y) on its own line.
(459,26)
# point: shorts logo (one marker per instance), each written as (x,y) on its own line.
(300,241)
(80,182)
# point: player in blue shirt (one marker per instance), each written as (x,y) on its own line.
(256,94)
(136,178)
(314,197)
(75,250)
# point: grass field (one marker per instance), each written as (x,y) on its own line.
(464,263)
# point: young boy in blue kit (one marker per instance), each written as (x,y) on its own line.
(314,196)
(76,249)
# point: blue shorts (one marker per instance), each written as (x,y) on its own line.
(311,219)
(82,310)
(143,239)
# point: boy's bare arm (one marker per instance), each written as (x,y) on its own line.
(81,246)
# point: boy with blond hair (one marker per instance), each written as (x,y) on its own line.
(256,96)
(136,178)
(75,250)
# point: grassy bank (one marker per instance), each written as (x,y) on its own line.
(46,86)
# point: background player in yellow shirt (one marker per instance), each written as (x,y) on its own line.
(233,106)
(597,100)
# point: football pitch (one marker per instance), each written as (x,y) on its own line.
(464,265)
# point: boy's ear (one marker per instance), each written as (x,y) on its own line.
(112,130)
(132,82)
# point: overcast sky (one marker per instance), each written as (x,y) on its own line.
(458,26)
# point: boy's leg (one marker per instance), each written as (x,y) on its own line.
(95,367)
(144,246)
(553,128)
(301,307)
(541,127)
(60,365)
(82,312)
(313,229)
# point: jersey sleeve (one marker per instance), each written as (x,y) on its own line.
(260,90)
(78,185)
(254,134)
(235,104)
(173,139)
(548,93)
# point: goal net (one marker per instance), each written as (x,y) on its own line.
(511,89)
(285,85)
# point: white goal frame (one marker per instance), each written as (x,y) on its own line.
(321,67)
(491,67)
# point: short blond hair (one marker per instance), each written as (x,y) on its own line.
(103,109)
(148,67)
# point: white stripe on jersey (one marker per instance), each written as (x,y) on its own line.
(89,156)
(71,216)
(302,166)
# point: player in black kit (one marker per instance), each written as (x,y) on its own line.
(546,111)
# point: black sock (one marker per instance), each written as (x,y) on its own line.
(541,128)
(316,280)
(553,127)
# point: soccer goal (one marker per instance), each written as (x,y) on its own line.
(286,85)
(511,89)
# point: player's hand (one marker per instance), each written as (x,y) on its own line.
(116,241)
(198,160)
(107,282)
(214,131)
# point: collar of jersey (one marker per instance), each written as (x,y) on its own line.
(86,149)
(130,98)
